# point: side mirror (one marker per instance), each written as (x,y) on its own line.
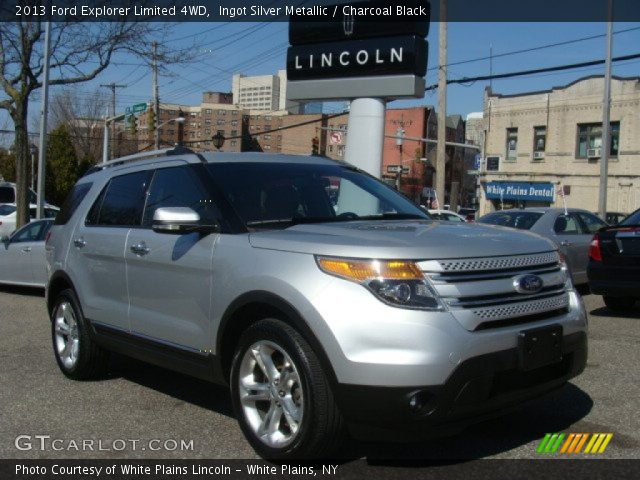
(5,239)
(179,220)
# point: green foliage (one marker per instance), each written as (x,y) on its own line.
(62,165)
(7,165)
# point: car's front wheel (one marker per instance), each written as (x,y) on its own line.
(77,355)
(619,304)
(281,394)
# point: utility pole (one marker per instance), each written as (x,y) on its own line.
(156,99)
(442,106)
(112,86)
(606,128)
(42,148)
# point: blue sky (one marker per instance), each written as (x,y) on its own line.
(259,48)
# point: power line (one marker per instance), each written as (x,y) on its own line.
(533,49)
(536,70)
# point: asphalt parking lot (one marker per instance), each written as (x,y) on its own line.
(142,411)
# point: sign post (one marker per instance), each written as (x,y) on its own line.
(359,58)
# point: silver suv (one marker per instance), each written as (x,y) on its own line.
(326,300)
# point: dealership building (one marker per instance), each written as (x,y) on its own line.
(540,145)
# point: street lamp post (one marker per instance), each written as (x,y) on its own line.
(179,120)
(34,150)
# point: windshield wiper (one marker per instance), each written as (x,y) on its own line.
(394,216)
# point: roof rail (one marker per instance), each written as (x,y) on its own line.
(177,150)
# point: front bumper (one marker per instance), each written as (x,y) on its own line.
(614,281)
(479,388)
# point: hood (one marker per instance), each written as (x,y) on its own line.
(406,239)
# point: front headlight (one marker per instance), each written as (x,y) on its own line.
(396,282)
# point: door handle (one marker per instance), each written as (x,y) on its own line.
(565,243)
(79,242)
(26,249)
(140,249)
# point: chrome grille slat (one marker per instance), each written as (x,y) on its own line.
(444,278)
(522,309)
(490,263)
(506,299)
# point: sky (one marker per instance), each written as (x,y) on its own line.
(260,49)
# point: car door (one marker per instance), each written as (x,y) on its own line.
(170,275)
(573,243)
(96,257)
(38,258)
(15,255)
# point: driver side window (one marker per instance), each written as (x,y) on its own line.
(29,233)
(567,225)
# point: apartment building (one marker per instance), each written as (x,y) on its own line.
(540,143)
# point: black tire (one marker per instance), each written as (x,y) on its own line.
(619,304)
(322,428)
(91,360)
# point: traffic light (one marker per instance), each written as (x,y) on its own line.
(315,146)
(132,124)
(151,120)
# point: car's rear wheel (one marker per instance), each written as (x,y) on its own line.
(281,395)
(76,353)
(619,304)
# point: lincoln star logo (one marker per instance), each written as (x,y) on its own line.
(527,284)
(347,24)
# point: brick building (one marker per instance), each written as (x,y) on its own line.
(547,139)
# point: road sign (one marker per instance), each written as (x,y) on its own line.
(394,168)
(139,107)
(336,137)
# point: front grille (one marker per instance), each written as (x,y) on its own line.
(480,292)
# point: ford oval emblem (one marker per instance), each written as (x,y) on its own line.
(527,284)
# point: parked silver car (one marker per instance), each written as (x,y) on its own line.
(571,231)
(356,313)
(22,258)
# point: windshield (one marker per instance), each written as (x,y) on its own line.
(7,195)
(278,195)
(520,220)
(633,219)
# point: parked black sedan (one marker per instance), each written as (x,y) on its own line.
(614,263)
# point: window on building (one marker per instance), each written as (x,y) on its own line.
(193,114)
(267,127)
(234,143)
(208,111)
(220,122)
(267,137)
(207,122)
(512,143)
(234,133)
(267,147)
(234,123)
(539,139)
(170,132)
(234,113)
(330,148)
(192,134)
(340,150)
(207,130)
(589,141)
(267,117)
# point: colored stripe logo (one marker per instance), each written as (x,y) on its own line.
(574,443)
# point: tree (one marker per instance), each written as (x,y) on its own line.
(84,118)
(62,165)
(79,52)
(7,165)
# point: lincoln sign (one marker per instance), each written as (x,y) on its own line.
(352,53)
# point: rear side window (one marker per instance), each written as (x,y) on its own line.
(121,202)
(72,202)
(7,195)
(567,225)
(7,209)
